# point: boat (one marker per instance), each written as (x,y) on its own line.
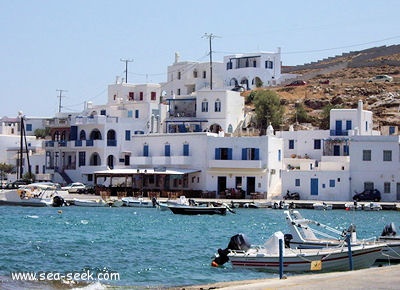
(39,194)
(138,202)
(207,209)
(267,257)
(164,206)
(353,206)
(90,202)
(305,235)
(372,206)
(322,206)
(391,253)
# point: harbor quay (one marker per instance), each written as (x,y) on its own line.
(261,203)
(385,277)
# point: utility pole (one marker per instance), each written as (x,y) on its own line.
(210,37)
(60,96)
(126,67)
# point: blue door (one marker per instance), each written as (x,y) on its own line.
(314,186)
(336,150)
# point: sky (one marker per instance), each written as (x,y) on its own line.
(77,45)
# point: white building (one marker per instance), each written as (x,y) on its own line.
(329,165)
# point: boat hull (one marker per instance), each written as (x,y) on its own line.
(331,260)
(197,210)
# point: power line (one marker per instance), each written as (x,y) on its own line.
(60,96)
(126,67)
(210,37)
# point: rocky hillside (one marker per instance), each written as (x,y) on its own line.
(348,76)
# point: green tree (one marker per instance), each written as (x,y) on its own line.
(268,109)
(42,133)
(301,114)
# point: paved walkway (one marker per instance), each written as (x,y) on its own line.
(386,277)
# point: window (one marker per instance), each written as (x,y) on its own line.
(178,92)
(366,155)
(392,130)
(28,127)
(82,158)
(141,96)
(195,74)
(146,150)
(317,144)
(185,149)
(136,114)
(127,135)
(153,96)
(204,106)
(217,106)
(167,150)
(346,150)
(223,153)
(269,64)
(204,74)
(229,65)
(130,114)
(332,183)
(297,182)
(131,96)
(291,144)
(348,124)
(387,155)
(386,187)
(103,112)
(126,160)
(250,154)
(179,75)
(279,155)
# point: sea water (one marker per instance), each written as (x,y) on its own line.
(145,246)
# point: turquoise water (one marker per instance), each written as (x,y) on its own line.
(147,247)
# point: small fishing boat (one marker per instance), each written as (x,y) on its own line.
(322,206)
(267,257)
(198,210)
(38,194)
(372,206)
(138,202)
(90,202)
(353,206)
(391,253)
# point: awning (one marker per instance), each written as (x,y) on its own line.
(157,170)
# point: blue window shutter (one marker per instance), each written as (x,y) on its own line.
(348,124)
(136,114)
(229,153)
(167,150)
(244,155)
(217,154)
(146,150)
(127,135)
(256,154)
(279,155)
(74,133)
(185,149)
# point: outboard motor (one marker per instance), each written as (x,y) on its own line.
(287,238)
(58,201)
(154,201)
(237,242)
(389,230)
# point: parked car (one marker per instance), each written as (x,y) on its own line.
(368,195)
(296,83)
(16,184)
(75,187)
(381,78)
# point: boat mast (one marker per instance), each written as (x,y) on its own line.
(21,149)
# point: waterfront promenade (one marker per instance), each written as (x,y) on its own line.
(386,277)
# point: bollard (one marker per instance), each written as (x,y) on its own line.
(280,258)
(348,240)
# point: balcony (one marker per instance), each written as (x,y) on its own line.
(242,164)
(339,132)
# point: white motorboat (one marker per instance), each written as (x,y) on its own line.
(35,194)
(267,257)
(322,206)
(138,202)
(353,206)
(90,202)
(372,206)
(306,234)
